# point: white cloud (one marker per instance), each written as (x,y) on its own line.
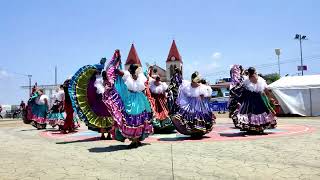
(3,74)
(206,66)
(216,55)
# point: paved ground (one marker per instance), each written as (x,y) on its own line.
(24,154)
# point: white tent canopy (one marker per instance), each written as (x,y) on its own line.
(298,94)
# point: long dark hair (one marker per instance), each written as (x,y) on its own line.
(104,75)
(66,91)
(132,68)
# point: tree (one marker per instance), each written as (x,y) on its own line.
(270,78)
(220,94)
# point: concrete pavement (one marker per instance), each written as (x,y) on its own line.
(24,154)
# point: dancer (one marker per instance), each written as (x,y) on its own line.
(70,123)
(27,115)
(55,116)
(129,105)
(156,93)
(40,109)
(236,88)
(173,88)
(86,90)
(254,115)
(194,116)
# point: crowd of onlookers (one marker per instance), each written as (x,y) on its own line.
(12,113)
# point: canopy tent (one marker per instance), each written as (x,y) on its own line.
(298,94)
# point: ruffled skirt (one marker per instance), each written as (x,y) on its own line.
(235,94)
(86,102)
(255,114)
(55,117)
(131,112)
(39,113)
(27,114)
(194,118)
(161,121)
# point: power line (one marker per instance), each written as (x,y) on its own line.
(267,65)
(271,64)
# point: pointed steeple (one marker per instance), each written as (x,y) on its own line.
(133,57)
(174,54)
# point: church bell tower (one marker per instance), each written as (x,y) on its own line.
(174,60)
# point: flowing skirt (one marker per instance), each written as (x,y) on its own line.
(235,94)
(87,103)
(70,122)
(27,114)
(194,117)
(55,117)
(255,114)
(39,113)
(131,111)
(161,121)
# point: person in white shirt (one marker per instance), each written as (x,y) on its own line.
(254,113)
(40,110)
(56,114)
(194,116)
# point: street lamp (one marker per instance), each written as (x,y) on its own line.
(300,38)
(278,52)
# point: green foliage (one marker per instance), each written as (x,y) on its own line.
(270,78)
(219,93)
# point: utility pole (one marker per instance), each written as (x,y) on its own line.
(300,38)
(55,75)
(278,51)
(29,76)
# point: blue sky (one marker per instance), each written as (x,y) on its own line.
(36,35)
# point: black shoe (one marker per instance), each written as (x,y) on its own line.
(102,137)
(109,137)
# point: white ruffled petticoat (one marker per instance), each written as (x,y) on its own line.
(135,85)
(157,89)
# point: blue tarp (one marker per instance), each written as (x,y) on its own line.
(219,106)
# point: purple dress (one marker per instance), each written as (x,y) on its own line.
(194,116)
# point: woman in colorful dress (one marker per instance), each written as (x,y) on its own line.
(40,110)
(55,116)
(27,115)
(173,90)
(70,123)
(194,116)
(236,88)
(86,91)
(129,105)
(254,114)
(156,94)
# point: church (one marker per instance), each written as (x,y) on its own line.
(173,60)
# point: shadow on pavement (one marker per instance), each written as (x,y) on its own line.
(239,134)
(59,132)
(112,148)
(182,138)
(29,130)
(243,134)
(79,141)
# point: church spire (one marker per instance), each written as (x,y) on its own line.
(133,57)
(174,54)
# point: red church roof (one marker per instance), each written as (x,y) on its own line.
(133,57)
(174,52)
